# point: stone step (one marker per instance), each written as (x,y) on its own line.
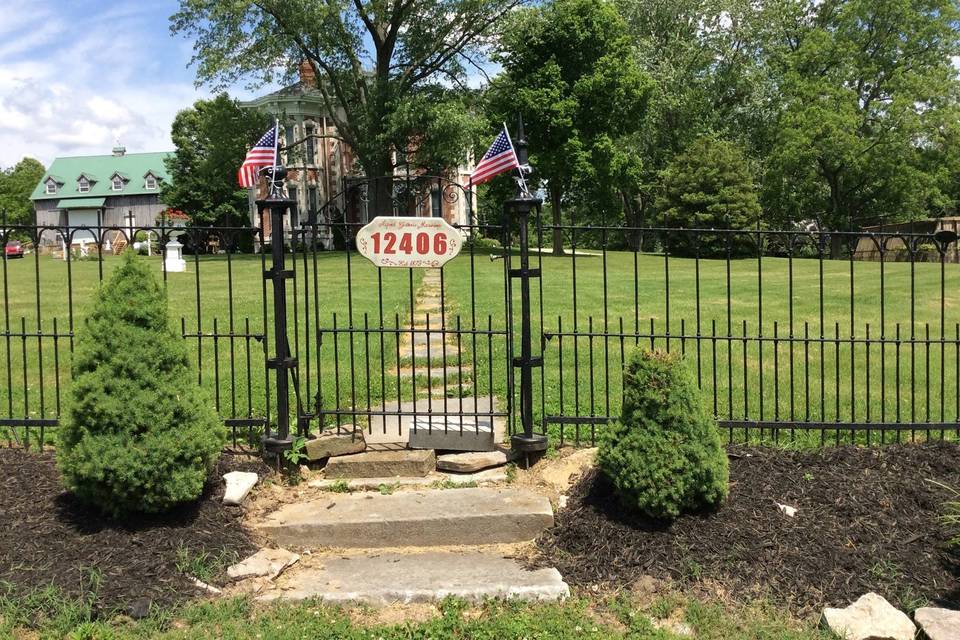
(452,373)
(396,429)
(389,578)
(434,354)
(449,479)
(437,517)
(381,464)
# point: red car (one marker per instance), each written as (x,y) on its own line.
(13,249)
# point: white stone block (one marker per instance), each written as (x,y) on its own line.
(239,484)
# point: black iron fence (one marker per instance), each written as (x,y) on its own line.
(791,335)
(217,300)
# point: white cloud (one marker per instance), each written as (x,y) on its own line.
(77,75)
(73,85)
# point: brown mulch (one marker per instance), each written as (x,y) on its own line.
(48,538)
(868,520)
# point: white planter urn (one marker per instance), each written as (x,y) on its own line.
(173,262)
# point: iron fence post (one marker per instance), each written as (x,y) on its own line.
(282,362)
(518,209)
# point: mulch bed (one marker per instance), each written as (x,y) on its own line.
(868,520)
(49,538)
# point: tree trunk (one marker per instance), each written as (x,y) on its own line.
(380,188)
(555,195)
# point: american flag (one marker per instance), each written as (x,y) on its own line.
(262,154)
(499,158)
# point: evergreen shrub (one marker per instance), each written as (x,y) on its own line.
(139,433)
(664,457)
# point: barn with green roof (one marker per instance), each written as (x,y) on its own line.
(115,190)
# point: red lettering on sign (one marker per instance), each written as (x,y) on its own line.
(391,239)
(406,244)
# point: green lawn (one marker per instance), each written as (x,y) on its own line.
(773,380)
(48,617)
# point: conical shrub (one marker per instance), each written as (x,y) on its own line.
(139,433)
(664,457)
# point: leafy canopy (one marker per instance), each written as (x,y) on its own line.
(570,70)
(16,185)
(709,186)
(374,59)
(211,140)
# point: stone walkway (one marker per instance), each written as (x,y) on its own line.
(441,373)
(428,352)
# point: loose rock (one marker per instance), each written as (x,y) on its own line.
(472,461)
(203,586)
(871,617)
(787,510)
(266,562)
(239,484)
(938,624)
(339,442)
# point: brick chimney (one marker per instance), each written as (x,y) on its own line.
(307,76)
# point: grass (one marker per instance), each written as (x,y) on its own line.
(204,566)
(621,299)
(46,615)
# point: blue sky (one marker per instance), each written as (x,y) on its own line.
(77,75)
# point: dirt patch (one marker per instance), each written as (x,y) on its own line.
(868,520)
(49,538)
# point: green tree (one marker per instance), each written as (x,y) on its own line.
(709,186)
(664,455)
(139,435)
(706,81)
(16,185)
(866,87)
(211,139)
(570,71)
(373,59)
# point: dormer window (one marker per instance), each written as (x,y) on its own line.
(150,182)
(83,185)
(51,187)
(117,183)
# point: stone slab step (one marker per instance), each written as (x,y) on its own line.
(452,433)
(438,372)
(390,578)
(380,464)
(487,476)
(437,517)
(396,429)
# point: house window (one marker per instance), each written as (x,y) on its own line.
(83,185)
(51,187)
(117,183)
(288,142)
(151,182)
(311,143)
(312,210)
(436,205)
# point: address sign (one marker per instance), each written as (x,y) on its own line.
(389,241)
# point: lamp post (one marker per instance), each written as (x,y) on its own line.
(278,204)
(518,210)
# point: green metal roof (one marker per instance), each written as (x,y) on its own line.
(66,171)
(81,203)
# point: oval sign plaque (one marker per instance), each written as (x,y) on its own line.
(389,241)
